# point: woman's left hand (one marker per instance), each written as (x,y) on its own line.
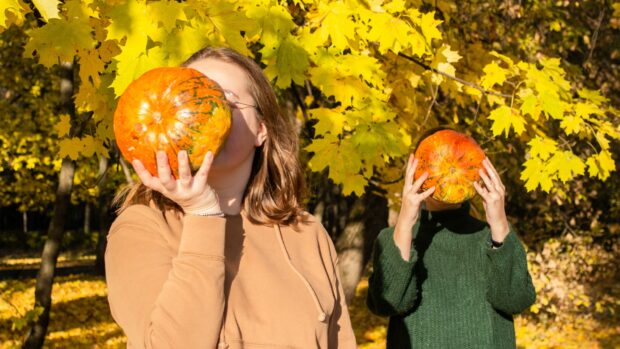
(493,194)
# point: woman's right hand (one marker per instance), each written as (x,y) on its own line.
(193,194)
(410,207)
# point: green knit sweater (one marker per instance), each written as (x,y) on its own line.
(455,291)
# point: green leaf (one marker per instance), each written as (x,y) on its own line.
(288,63)
(75,35)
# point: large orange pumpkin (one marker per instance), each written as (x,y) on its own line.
(171,109)
(452,161)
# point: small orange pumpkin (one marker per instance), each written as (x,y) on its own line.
(171,109)
(452,160)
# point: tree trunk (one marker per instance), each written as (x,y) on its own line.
(25,222)
(105,220)
(45,277)
(87,213)
(365,218)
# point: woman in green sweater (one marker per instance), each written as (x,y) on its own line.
(446,279)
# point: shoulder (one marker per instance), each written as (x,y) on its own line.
(310,224)
(138,217)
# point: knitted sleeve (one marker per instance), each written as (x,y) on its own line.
(510,288)
(391,286)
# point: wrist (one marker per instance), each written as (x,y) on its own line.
(499,231)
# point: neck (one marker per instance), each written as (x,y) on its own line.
(434,205)
(230,184)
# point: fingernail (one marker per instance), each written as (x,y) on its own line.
(161,155)
(209,155)
(183,154)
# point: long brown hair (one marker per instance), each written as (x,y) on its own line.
(275,190)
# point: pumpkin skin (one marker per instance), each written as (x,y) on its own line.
(452,161)
(171,109)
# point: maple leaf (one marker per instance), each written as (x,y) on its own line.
(493,74)
(91,66)
(504,118)
(333,20)
(44,41)
(288,64)
(600,165)
(12,11)
(542,148)
(47,8)
(535,174)
(566,164)
(63,126)
(328,120)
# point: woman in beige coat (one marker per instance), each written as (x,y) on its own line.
(227,258)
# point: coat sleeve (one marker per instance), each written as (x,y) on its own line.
(392,284)
(510,287)
(163,299)
(340,332)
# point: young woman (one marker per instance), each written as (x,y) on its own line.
(227,258)
(446,279)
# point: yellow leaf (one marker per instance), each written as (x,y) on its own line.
(90,67)
(63,126)
(535,174)
(167,13)
(504,118)
(493,74)
(429,27)
(328,120)
(47,8)
(600,165)
(12,11)
(333,20)
(531,106)
(566,164)
(542,147)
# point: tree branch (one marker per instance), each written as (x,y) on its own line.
(464,82)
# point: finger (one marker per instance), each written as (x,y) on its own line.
(428,192)
(145,176)
(185,173)
(163,171)
(203,172)
(481,191)
(409,173)
(418,183)
(488,183)
(492,173)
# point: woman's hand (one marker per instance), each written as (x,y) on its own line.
(410,208)
(493,194)
(193,194)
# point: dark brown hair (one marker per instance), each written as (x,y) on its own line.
(276,187)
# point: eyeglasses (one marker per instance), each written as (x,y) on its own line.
(233,101)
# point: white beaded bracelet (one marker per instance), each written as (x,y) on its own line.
(216,214)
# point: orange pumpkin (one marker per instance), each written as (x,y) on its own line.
(171,109)
(452,161)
